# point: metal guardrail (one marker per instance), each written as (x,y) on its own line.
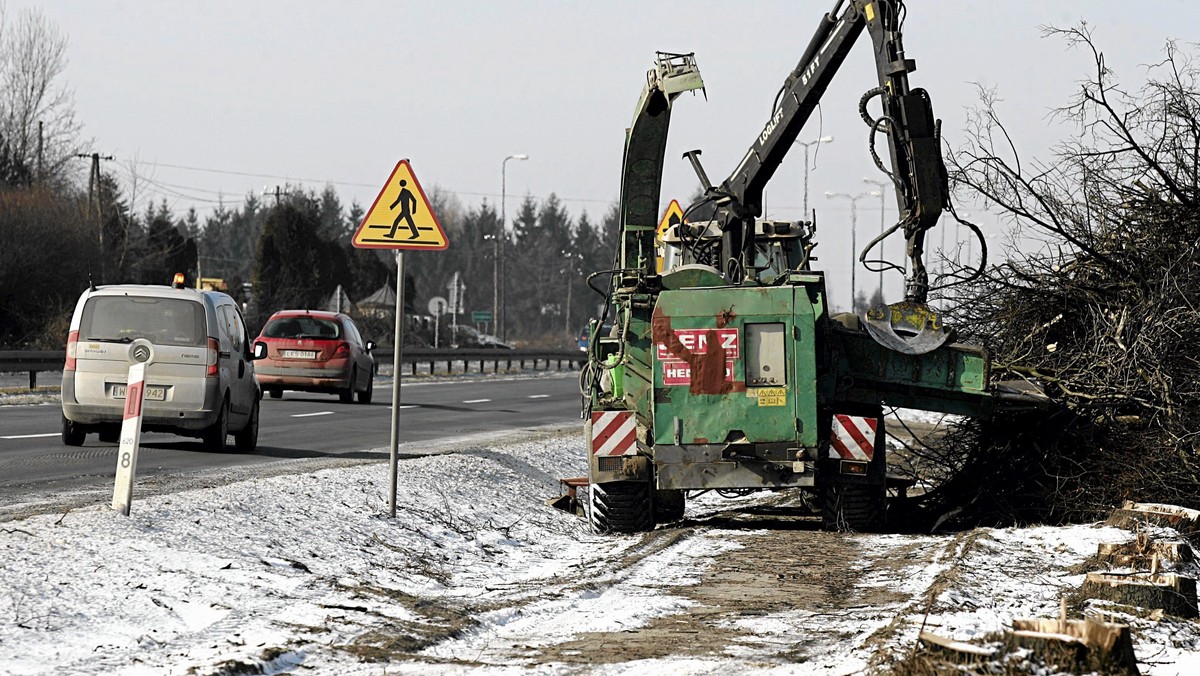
(31,361)
(35,361)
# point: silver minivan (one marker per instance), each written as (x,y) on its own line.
(200,373)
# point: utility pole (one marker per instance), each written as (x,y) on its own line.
(882,209)
(94,202)
(806,146)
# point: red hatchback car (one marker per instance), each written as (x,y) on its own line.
(315,351)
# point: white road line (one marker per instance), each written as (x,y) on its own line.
(32,436)
(404,406)
(476,401)
(309,415)
(538,396)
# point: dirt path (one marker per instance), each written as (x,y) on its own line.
(820,588)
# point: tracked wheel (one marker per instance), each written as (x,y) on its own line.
(669,505)
(853,507)
(620,507)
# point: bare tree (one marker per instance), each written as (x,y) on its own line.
(1105,318)
(37,110)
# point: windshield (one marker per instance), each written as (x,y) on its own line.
(162,321)
(303,327)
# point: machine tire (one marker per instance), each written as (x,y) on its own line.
(215,438)
(246,440)
(347,395)
(276,393)
(853,507)
(72,434)
(669,505)
(364,397)
(620,507)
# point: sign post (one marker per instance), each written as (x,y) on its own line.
(141,352)
(403,211)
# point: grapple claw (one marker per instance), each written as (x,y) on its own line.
(906,327)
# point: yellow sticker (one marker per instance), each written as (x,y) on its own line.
(870,11)
(772,396)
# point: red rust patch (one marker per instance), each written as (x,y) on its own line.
(707,368)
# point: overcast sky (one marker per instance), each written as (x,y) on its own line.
(209,101)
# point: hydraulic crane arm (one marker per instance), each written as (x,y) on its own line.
(917,172)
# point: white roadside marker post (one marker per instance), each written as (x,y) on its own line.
(131,428)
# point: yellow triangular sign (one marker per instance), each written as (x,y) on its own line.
(401,217)
(673,216)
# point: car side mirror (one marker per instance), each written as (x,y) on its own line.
(260,350)
(370,345)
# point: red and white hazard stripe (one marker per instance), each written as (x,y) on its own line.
(614,433)
(853,438)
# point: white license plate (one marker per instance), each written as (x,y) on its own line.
(298,354)
(151,393)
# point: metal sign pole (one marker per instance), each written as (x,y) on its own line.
(396,371)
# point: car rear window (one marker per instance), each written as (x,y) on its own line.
(162,321)
(303,327)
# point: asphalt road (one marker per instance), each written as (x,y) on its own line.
(296,428)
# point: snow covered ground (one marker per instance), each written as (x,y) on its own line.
(306,573)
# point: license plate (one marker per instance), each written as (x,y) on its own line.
(298,354)
(151,393)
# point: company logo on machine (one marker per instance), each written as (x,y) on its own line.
(676,371)
(853,438)
(695,341)
(614,433)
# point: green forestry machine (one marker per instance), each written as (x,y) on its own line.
(724,370)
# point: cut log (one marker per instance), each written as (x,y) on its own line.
(1173,594)
(956,652)
(1133,514)
(1139,554)
(1101,646)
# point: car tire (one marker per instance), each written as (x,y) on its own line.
(246,440)
(276,393)
(347,395)
(72,434)
(216,436)
(364,397)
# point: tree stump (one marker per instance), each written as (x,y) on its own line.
(1080,645)
(956,652)
(1141,554)
(1133,514)
(1174,594)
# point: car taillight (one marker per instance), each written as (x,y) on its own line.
(72,341)
(342,351)
(214,358)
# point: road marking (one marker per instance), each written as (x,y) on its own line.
(476,401)
(403,406)
(309,415)
(538,396)
(32,436)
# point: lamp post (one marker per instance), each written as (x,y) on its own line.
(498,251)
(806,144)
(882,208)
(853,237)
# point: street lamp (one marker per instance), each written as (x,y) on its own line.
(882,208)
(806,144)
(853,237)
(498,251)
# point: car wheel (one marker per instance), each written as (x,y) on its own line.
(276,393)
(217,434)
(247,439)
(364,397)
(347,395)
(72,434)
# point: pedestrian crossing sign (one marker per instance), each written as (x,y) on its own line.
(401,217)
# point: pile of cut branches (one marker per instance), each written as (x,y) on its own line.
(1103,315)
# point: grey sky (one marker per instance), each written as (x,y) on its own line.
(339,91)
